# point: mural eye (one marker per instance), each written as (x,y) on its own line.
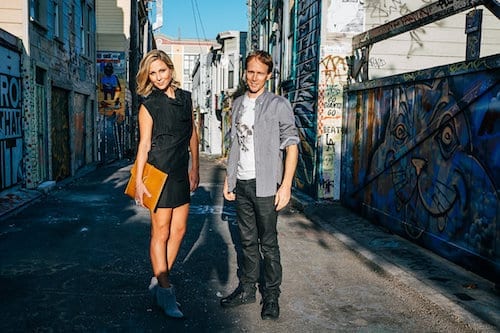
(400,132)
(447,138)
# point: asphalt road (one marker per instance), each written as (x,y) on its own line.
(77,260)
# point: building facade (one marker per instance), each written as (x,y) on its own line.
(58,86)
(226,83)
(420,149)
(11,134)
(208,126)
(52,120)
(185,53)
(311,42)
(395,109)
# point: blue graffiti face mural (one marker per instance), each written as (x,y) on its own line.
(425,171)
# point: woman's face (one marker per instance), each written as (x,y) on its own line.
(159,74)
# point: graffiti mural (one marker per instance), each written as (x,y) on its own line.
(426,161)
(11,114)
(111,94)
(333,75)
(111,69)
(11,130)
(304,94)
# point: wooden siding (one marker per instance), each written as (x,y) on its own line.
(113,17)
(438,43)
(12,18)
(111,42)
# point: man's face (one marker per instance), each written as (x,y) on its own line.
(256,76)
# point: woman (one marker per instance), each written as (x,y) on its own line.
(167,134)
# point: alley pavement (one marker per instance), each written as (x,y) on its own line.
(440,284)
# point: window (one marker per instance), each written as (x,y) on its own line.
(230,72)
(40,75)
(288,29)
(190,61)
(263,36)
(86,29)
(58,19)
(38,10)
(34,10)
(83,28)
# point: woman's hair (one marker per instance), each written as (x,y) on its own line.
(144,85)
(263,57)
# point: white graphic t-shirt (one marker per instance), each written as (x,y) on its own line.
(245,131)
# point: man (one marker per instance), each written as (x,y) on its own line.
(262,129)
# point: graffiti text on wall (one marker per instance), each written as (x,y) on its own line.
(395,9)
(330,101)
(10,130)
(9,91)
(10,112)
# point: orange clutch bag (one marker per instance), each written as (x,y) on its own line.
(153,178)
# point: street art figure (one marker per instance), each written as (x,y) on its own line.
(109,82)
(426,164)
(112,105)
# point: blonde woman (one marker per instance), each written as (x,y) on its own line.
(167,136)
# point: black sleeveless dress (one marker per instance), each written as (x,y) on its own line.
(172,129)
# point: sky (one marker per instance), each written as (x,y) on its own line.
(202,19)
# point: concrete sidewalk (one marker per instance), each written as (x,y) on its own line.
(469,297)
(14,199)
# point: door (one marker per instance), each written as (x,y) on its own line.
(59,134)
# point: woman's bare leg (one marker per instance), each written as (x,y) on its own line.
(178,226)
(168,227)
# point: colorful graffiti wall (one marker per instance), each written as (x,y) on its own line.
(111,69)
(111,94)
(11,130)
(422,158)
(341,19)
(303,94)
(333,75)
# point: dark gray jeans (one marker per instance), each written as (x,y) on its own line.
(257,220)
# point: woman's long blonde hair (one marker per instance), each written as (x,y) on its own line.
(144,85)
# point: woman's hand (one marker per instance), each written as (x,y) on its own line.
(194,179)
(140,191)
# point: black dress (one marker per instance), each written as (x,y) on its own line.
(172,129)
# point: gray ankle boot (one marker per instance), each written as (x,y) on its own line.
(153,287)
(165,297)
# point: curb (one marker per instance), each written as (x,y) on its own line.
(14,200)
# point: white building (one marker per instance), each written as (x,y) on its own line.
(226,72)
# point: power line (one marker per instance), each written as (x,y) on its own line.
(196,11)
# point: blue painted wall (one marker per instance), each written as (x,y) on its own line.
(11,129)
(421,156)
(303,93)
